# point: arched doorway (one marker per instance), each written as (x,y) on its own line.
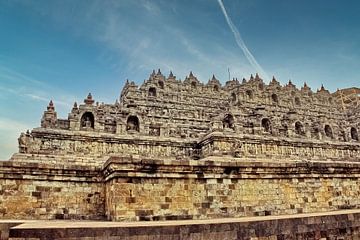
(328,131)
(228,121)
(354,134)
(299,128)
(266,125)
(249,94)
(275,98)
(87,121)
(133,124)
(152,92)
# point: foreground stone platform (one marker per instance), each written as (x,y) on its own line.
(343,224)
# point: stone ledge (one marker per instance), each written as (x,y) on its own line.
(124,167)
(108,137)
(45,171)
(279,140)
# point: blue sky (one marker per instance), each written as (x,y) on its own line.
(63,49)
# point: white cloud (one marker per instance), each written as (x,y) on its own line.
(11,129)
(21,85)
(151,7)
(16,77)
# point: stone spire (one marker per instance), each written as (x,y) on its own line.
(171,77)
(305,87)
(323,90)
(51,107)
(290,84)
(89,100)
(251,77)
(213,77)
(257,77)
(49,118)
(214,81)
(274,81)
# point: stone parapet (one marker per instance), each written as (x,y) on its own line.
(97,145)
(275,148)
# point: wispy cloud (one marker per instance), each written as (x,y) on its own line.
(134,43)
(21,85)
(240,42)
(151,7)
(24,90)
(16,77)
(36,97)
(12,125)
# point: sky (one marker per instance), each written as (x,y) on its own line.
(64,49)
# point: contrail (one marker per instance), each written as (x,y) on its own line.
(241,44)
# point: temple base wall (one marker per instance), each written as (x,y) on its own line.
(146,189)
(40,191)
(207,190)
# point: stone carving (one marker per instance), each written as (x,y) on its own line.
(23,142)
(190,111)
(154,131)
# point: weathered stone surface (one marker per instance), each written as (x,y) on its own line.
(43,191)
(140,189)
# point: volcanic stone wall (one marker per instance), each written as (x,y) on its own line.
(173,190)
(146,189)
(44,191)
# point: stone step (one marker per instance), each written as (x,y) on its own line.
(343,224)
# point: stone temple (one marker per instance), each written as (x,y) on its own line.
(184,150)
